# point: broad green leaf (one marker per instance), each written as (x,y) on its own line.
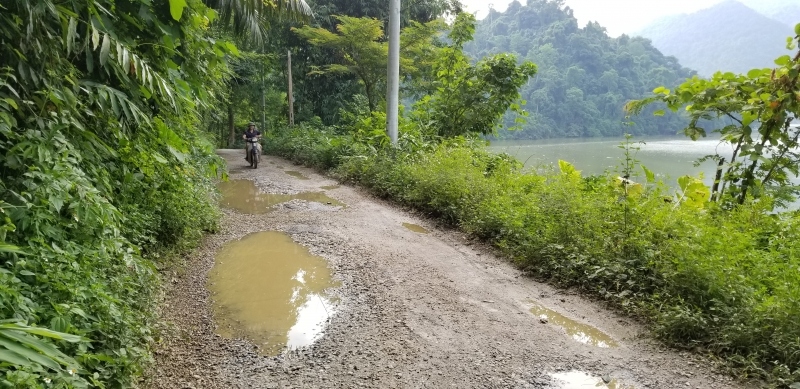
(45,348)
(7,248)
(42,332)
(634,189)
(783,60)
(569,170)
(20,349)
(105,47)
(60,324)
(160,158)
(797,31)
(651,177)
(27,273)
(71,34)
(13,358)
(176,8)
(659,112)
(754,73)
(95,38)
(683,182)
(11,102)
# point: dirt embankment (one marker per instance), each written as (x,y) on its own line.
(415,310)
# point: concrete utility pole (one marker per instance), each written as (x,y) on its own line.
(291,93)
(393,73)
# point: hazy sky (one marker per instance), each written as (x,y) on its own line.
(617,16)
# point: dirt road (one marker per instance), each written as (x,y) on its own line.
(415,310)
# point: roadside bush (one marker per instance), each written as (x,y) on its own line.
(721,280)
(102,171)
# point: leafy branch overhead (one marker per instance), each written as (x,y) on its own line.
(762,108)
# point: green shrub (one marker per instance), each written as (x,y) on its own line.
(723,280)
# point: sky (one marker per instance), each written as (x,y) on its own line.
(617,16)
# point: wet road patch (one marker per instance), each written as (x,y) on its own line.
(578,331)
(415,228)
(296,174)
(243,196)
(581,380)
(270,290)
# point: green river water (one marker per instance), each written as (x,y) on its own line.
(669,158)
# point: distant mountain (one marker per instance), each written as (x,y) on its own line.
(585,77)
(728,36)
(786,11)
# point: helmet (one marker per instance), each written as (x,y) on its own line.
(251,124)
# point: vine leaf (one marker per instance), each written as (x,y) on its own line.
(176,8)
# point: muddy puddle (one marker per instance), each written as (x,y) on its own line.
(330,187)
(243,196)
(270,290)
(579,332)
(581,380)
(296,174)
(415,228)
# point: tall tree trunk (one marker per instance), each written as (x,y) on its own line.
(368,89)
(715,194)
(231,128)
(749,176)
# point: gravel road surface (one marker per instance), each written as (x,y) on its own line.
(415,310)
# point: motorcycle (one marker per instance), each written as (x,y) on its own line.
(254,155)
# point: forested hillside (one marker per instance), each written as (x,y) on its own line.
(786,11)
(585,77)
(728,37)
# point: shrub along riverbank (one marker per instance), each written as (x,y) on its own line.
(718,281)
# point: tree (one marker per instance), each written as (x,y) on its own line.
(472,98)
(361,50)
(545,32)
(761,107)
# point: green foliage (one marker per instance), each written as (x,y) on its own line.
(103,172)
(363,51)
(584,77)
(249,19)
(471,98)
(763,104)
(723,281)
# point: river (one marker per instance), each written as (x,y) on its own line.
(669,158)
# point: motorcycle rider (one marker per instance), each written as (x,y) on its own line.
(250,133)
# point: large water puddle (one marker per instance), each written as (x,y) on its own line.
(243,196)
(270,290)
(416,228)
(580,332)
(581,380)
(296,174)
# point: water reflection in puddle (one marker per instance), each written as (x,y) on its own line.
(415,228)
(296,174)
(581,380)
(330,187)
(243,196)
(270,290)
(580,332)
